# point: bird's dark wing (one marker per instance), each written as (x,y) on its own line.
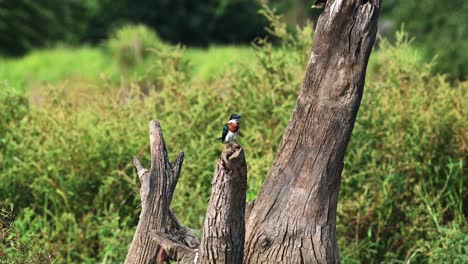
(225,132)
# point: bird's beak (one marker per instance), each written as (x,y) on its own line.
(238,116)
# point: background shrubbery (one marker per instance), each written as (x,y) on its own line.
(66,145)
(439,27)
(28,24)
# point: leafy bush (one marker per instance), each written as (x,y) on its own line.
(13,108)
(131,45)
(439,28)
(20,248)
(67,160)
(403,178)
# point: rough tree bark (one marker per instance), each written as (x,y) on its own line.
(156,241)
(293,219)
(223,230)
(157,187)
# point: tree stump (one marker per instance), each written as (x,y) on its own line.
(157,187)
(223,231)
(158,240)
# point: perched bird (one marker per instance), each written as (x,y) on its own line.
(231,129)
(319,4)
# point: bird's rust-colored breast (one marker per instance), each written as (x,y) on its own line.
(233,127)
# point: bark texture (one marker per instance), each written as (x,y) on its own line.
(160,237)
(223,230)
(157,187)
(294,216)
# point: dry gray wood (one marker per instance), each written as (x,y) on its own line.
(294,216)
(176,250)
(223,230)
(157,188)
(177,242)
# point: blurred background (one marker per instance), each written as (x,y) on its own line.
(80,81)
(439,27)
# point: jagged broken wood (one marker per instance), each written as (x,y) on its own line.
(224,227)
(157,188)
(160,236)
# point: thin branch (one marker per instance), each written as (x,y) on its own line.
(140,170)
(176,167)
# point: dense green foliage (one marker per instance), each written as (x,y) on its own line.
(28,24)
(16,248)
(66,148)
(197,22)
(440,27)
(131,45)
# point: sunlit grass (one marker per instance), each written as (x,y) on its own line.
(211,62)
(58,64)
(86,63)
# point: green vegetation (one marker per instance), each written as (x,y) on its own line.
(56,65)
(439,28)
(66,146)
(29,24)
(131,45)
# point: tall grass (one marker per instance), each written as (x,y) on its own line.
(66,148)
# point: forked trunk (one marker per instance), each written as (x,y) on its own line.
(293,219)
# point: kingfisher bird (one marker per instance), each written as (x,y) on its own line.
(231,129)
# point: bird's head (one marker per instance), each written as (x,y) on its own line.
(235,117)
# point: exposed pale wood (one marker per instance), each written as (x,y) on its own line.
(157,187)
(223,230)
(294,216)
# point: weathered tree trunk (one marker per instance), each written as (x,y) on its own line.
(293,219)
(223,231)
(156,241)
(157,187)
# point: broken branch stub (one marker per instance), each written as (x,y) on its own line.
(224,230)
(157,188)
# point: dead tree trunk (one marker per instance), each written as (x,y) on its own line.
(223,230)
(156,241)
(157,187)
(293,219)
